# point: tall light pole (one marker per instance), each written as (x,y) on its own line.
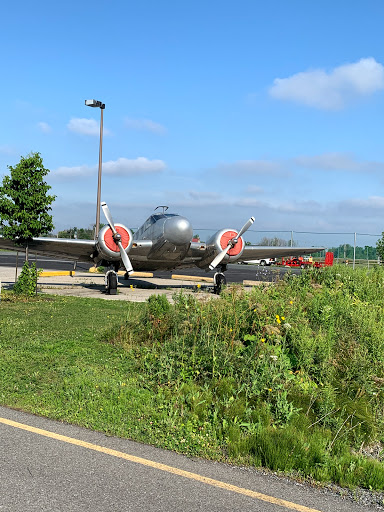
(101,105)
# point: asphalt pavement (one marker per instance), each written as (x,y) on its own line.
(51,466)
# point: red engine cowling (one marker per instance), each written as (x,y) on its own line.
(107,247)
(219,241)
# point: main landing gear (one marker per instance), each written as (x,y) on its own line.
(111,282)
(219,280)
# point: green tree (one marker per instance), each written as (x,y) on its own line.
(24,202)
(265,241)
(80,233)
(380,247)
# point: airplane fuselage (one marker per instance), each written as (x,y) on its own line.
(170,237)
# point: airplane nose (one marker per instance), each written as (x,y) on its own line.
(178,230)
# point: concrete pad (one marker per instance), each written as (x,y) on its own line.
(84,284)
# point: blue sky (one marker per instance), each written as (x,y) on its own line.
(219,109)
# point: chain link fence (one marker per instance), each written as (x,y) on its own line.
(347,247)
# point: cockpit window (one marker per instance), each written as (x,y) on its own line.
(151,220)
(158,216)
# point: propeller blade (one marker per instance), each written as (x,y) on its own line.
(108,216)
(126,261)
(245,228)
(219,257)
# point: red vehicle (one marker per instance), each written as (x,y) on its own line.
(301,263)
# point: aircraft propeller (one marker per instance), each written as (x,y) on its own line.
(231,243)
(117,238)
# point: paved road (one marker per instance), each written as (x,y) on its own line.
(75,470)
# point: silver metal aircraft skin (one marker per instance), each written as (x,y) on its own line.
(163,242)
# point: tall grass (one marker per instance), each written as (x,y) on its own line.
(288,376)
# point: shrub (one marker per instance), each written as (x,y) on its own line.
(27,281)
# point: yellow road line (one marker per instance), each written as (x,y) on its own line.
(161,467)
(136,274)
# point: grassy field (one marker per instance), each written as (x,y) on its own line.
(288,376)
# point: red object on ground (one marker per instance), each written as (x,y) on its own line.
(299,262)
(328,262)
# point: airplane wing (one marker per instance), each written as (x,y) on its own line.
(141,250)
(257,252)
(69,248)
(74,249)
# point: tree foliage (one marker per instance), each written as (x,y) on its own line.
(80,233)
(27,282)
(380,247)
(24,200)
(361,253)
(274,242)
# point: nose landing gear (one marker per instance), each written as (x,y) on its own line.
(111,281)
(219,280)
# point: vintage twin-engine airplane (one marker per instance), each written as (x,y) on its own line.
(164,241)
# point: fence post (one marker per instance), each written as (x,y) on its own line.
(354,250)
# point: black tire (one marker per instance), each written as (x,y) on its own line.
(219,281)
(263,263)
(112,283)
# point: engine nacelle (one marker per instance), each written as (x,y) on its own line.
(107,247)
(218,242)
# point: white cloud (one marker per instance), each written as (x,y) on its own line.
(44,127)
(86,127)
(145,125)
(373,206)
(140,165)
(119,167)
(331,90)
(338,162)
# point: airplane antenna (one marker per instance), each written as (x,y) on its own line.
(165,208)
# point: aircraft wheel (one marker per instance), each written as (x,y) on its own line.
(219,280)
(262,263)
(111,282)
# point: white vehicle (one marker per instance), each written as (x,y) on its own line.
(263,262)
